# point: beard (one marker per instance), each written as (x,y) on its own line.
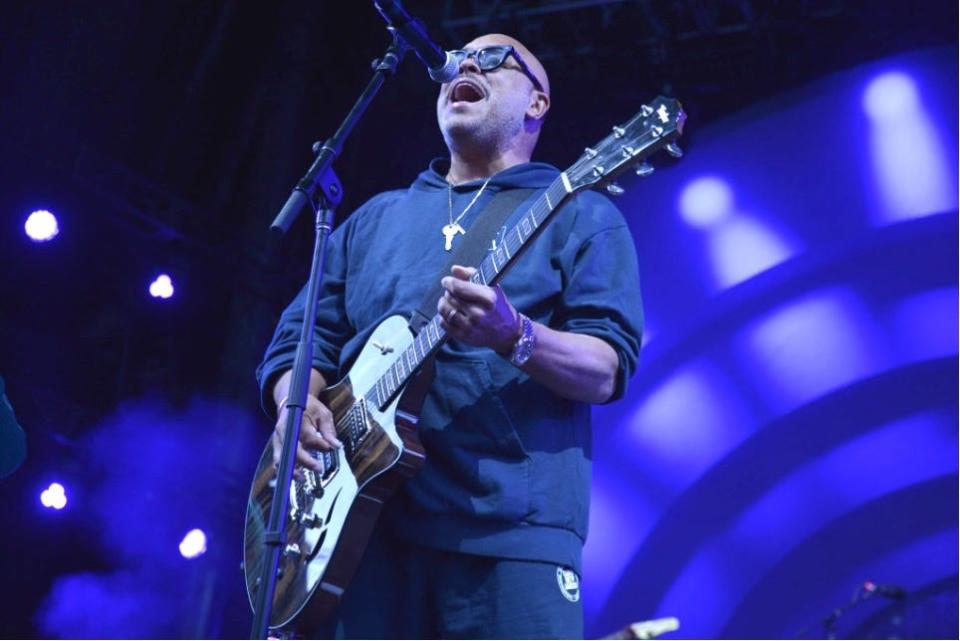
(497,128)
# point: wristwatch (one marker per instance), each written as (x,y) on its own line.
(523,348)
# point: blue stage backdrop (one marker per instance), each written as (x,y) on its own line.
(792,430)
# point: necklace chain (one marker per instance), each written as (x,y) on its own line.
(472,201)
(453,228)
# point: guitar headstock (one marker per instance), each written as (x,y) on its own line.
(656,126)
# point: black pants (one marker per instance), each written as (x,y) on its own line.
(409,591)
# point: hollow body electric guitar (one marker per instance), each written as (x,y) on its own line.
(332,512)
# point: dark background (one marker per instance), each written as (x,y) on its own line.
(166,136)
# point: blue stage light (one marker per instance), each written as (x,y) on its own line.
(743,247)
(705,201)
(194,544)
(54,497)
(890,96)
(161,287)
(41,226)
(911,170)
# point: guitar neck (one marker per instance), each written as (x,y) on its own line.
(490,271)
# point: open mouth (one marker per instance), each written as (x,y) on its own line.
(466,91)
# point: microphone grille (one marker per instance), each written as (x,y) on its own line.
(447,71)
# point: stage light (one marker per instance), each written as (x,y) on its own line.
(742,247)
(161,287)
(705,202)
(41,226)
(54,497)
(890,96)
(193,544)
(911,170)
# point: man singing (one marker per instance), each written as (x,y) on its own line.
(486,540)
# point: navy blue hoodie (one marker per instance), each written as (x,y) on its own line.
(508,461)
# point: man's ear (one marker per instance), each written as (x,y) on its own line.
(539,105)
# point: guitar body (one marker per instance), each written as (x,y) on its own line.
(332,514)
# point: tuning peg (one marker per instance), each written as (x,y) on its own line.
(674,150)
(644,169)
(615,190)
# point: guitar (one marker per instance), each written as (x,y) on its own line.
(332,512)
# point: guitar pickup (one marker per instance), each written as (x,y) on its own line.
(355,427)
(330,462)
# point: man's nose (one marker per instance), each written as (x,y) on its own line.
(469,64)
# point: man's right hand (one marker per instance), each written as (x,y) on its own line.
(317,432)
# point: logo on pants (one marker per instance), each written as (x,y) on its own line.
(569,584)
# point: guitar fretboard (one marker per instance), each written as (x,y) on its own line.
(489,272)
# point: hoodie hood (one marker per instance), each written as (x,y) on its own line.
(529,175)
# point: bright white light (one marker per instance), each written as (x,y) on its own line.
(41,226)
(162,287)
(890,96)
(54,497)
(193,544)
(705,202)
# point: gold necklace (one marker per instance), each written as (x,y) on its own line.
(453,228)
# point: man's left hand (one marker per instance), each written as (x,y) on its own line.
(476,314)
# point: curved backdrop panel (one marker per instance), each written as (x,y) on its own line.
(792,431)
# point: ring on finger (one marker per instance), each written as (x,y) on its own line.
(451,315)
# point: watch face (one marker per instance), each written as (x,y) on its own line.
(525,344)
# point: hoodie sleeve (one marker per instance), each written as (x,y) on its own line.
(331,331)
(602,293)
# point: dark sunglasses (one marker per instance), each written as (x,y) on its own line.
(492,57)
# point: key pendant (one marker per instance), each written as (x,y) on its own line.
(449,231)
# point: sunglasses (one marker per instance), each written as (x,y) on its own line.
(492,57)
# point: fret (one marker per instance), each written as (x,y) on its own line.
(436,337)
(381,391)
(493,259)
(426,344)
(418,342)
(384,387)
(396,377)
(540,213)
(482,272)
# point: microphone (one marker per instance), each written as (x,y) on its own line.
(886,590)
(440,65)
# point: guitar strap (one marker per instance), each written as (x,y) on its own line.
(472,249)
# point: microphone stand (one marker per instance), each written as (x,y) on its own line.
(321,189)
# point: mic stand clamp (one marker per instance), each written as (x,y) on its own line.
(321,188)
